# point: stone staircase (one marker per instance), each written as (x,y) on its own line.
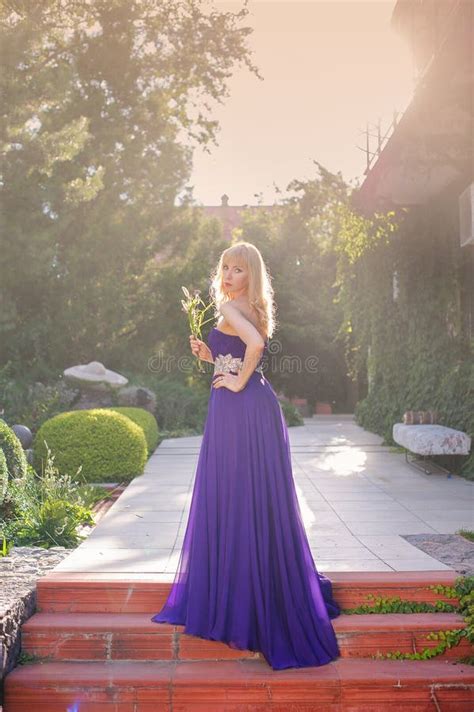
(100,651)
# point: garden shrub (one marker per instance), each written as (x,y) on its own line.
(13,450)
(101,444)
(3,475)
(46,510)
(291,413)
(32,402)
(145,420)
(180,407)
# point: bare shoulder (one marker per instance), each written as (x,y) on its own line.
(246,310)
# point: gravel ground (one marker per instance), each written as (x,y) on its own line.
(451,549)
(22,567)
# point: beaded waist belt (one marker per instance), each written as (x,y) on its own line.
(229,363)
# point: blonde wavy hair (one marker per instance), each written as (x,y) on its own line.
(260,290)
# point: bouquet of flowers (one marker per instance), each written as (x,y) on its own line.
(196,309)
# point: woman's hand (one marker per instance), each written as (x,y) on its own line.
(200,349)
(227,380)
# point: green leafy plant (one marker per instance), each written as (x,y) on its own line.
(181,408)
(466,533)
(447,591)
(46,509)
(380,604)
(5,545)
(401,273)
(52,523)
(32,402)
(448,639)
(291,413)
(25,658)
(463,590)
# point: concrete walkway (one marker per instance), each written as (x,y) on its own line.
(357,499)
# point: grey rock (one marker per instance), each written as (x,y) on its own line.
(19,572)
(90,400)
(23,434)
(138,397)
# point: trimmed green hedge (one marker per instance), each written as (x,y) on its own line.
(145,420)
(109,446)
(3,475)
(13,451)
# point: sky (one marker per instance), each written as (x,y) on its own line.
(328,67)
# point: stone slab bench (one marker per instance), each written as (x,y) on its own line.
(428,440)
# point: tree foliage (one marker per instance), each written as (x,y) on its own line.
(101,103)
(406,327)
(297,240)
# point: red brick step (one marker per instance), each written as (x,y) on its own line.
(250,685)
(133,636)
(363,635)
(112,593)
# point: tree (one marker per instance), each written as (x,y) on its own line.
(297,240)
(99,99)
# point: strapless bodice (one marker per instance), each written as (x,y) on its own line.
(228,351)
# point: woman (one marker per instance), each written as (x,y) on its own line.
(246,575)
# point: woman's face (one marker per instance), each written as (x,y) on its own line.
(234,278)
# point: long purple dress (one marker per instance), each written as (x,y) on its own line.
(246,575)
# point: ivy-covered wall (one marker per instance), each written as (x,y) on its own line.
(403,285)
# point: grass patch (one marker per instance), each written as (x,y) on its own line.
(466,533)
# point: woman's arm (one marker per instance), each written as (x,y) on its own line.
(249,334)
